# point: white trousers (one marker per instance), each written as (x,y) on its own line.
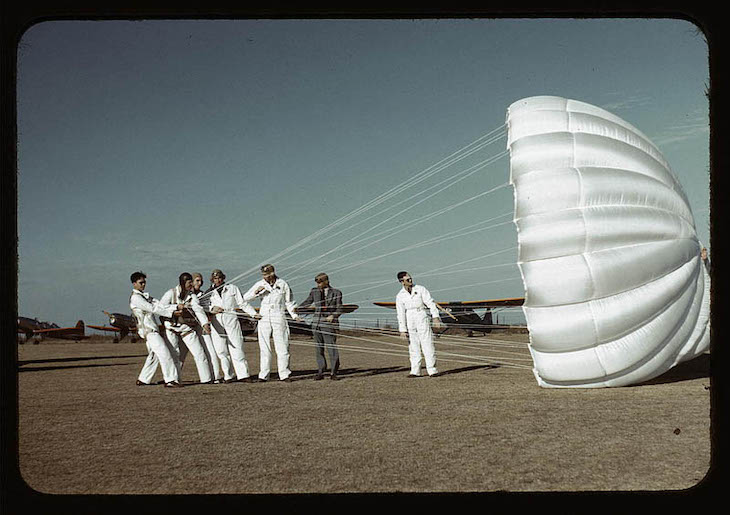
(226,326)
(210,353)
(274,325)
(158,354)
(192,343)
(420,338)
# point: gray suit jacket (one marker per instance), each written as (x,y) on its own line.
(331,305)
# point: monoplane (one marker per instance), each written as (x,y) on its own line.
(121,325)
(32,327)
(463,314)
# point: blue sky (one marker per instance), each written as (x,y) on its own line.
(172,146)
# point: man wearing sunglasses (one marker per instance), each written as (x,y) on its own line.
(413,303)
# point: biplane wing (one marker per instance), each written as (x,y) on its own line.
(306,328)
(249,324)
(346,308)
(103,328)
(463,315)
(469,304)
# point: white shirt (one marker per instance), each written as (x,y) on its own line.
(417,301)
(229,298)
(274,298)
(144,309)
(172,296)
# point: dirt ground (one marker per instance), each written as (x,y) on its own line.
(85,428)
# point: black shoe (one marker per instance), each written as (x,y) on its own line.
(248,379)
(229,381)
(286,380)
(173,384)
(410,376)
(437,374)
(334,377)
(318,377)
(142,383)
(259,380)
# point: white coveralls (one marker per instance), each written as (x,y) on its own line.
(177,329)
(413,318)
(209,348)
(144,309)
(226,325)
(276,299)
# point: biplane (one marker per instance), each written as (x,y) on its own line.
(124,325)
(32,327)
(249,325)
(306,328)
(463,314)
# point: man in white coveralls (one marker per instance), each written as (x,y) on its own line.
(276,299)
(181,326)
(207,339)
(225,301)
(144,309)
(412,305)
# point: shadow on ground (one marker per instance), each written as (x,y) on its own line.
(67,367)
(696,368)
(66,360)
(343,373)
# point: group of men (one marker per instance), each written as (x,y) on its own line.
(215,340)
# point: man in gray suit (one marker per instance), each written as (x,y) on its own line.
(327,303)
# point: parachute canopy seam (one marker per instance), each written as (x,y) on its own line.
(618,292)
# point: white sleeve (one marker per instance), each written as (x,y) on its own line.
(245,306)
(155,307)
(400,310)
(429,302)
(291,306)
(198,310)
(250,294)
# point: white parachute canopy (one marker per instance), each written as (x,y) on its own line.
(615,290)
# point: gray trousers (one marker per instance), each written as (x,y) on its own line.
(325,336)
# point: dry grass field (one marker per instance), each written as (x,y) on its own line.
(85,428)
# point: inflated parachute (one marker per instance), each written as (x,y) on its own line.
(615,290)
